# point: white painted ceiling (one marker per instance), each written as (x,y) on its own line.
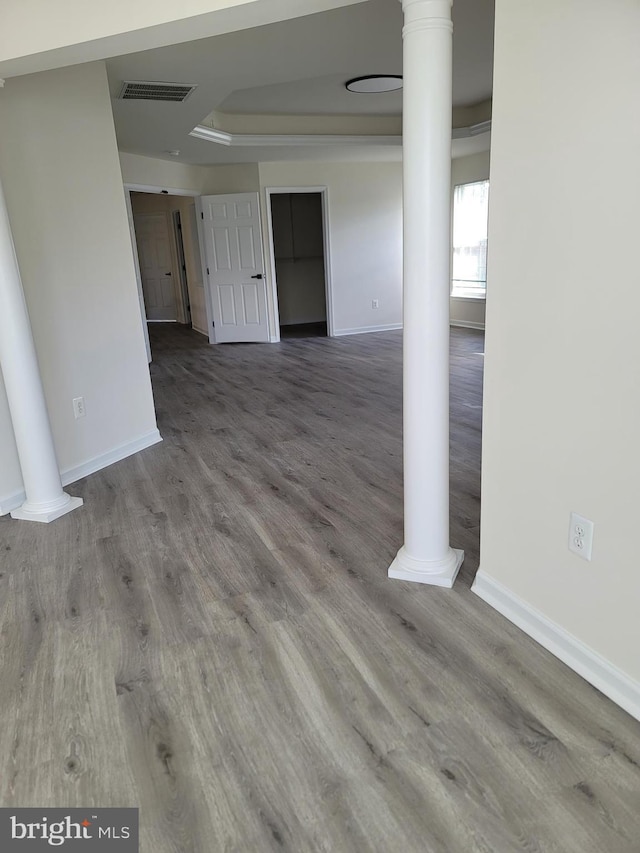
(296,67)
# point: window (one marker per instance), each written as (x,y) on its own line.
(470,210)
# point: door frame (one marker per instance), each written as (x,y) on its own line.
(271,256)
(208,307)
(136,265)
(181,263)
(145,188)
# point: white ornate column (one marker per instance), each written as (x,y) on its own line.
(45,499)
(426,556)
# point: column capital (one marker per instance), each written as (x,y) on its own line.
(426,15)
(431,8)
(428,8)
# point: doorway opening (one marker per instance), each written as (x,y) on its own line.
(168,244)
(297,225)
(165,255)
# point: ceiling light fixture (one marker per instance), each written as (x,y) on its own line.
(374,83)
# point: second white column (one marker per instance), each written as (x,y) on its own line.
(426,556)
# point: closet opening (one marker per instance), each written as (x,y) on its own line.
(297,220)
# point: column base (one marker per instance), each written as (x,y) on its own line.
(47,514)
(434,572)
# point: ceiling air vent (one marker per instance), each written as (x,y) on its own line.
(145,90)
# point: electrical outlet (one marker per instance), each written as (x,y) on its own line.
(78,407)
(580,535)
(375,303)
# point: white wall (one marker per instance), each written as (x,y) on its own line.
(38,35)
(466,170)
(562,381)
(71,24)
(365,231)
(197,180)
(233,178)
(60,170)
(165,174)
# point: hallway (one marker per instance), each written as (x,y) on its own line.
(213,638)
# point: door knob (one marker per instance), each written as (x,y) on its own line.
(257,276)
(167,273)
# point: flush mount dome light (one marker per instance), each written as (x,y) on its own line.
(375,83)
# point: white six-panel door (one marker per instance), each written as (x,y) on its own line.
(154,252)
(235,269)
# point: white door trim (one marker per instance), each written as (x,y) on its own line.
(146,188)
(208,307)
(136,264)
(181,266)
(328,285)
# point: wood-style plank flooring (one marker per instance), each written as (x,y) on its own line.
(212,637)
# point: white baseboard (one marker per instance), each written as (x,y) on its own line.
(610,680)
(467,324)
(10,502)
(200,331)
(361,330)
(77,472)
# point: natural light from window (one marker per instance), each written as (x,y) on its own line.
(470,213)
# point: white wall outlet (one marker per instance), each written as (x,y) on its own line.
(375,303)
(580,535)
(78,407)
